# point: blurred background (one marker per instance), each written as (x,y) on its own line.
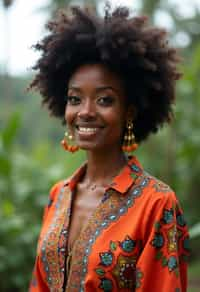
(31,159)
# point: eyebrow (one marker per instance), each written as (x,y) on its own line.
(98,89)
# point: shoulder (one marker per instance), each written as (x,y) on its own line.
(148,187)
(158,185)
(160,205)
(155,191)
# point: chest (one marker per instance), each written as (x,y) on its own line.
(83,206)
(108,239)
(109,245)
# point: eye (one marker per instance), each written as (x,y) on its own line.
(73,100)
(106,100)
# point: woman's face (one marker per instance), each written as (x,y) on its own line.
(96,110)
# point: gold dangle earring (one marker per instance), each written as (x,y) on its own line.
(129,143)
(65,143)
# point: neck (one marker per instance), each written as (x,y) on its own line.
(103,167)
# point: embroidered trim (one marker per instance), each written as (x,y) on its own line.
(53,245)
(109,211)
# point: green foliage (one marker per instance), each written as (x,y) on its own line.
(149,6)
(194,272)
(187,131)
(25,181)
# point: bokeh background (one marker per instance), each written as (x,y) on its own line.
(31,159)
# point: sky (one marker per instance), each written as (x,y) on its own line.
(26,26)
(26,21)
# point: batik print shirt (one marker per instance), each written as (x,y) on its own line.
(136,239)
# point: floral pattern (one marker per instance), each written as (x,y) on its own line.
(128,244)
(106,258)
(173,220)
(123,270)
(158,240)
(137,229)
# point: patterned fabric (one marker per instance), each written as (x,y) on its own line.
(135,240)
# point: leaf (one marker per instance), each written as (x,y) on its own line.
(139,275)
(164,261)
(157,225)
(113,246)
(176,272)
(100,272)
(10,131)
(8,208)
(159,255)
(5,165)
(133,175)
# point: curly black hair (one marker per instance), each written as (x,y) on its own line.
(127,45)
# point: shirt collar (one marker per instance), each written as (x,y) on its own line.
(121,183)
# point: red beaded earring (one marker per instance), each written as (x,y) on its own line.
(129,143)
(66,146)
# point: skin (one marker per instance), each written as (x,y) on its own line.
(96,100)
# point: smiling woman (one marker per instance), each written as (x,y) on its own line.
(96,111)
(111,226)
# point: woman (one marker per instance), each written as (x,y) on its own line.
(111,226)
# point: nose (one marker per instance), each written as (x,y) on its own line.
(87,110)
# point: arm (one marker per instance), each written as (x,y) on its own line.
(162,264)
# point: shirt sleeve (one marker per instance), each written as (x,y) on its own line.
(38,283)
(162,265)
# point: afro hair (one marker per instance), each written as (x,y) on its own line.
(127,45)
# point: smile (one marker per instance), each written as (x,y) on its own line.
(87,130)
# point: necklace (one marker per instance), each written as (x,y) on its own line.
(93,187)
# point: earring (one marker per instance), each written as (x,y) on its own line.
(129,143)
(66,146)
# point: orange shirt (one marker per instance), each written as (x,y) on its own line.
(136,239)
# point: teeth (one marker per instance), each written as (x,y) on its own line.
(87,130)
